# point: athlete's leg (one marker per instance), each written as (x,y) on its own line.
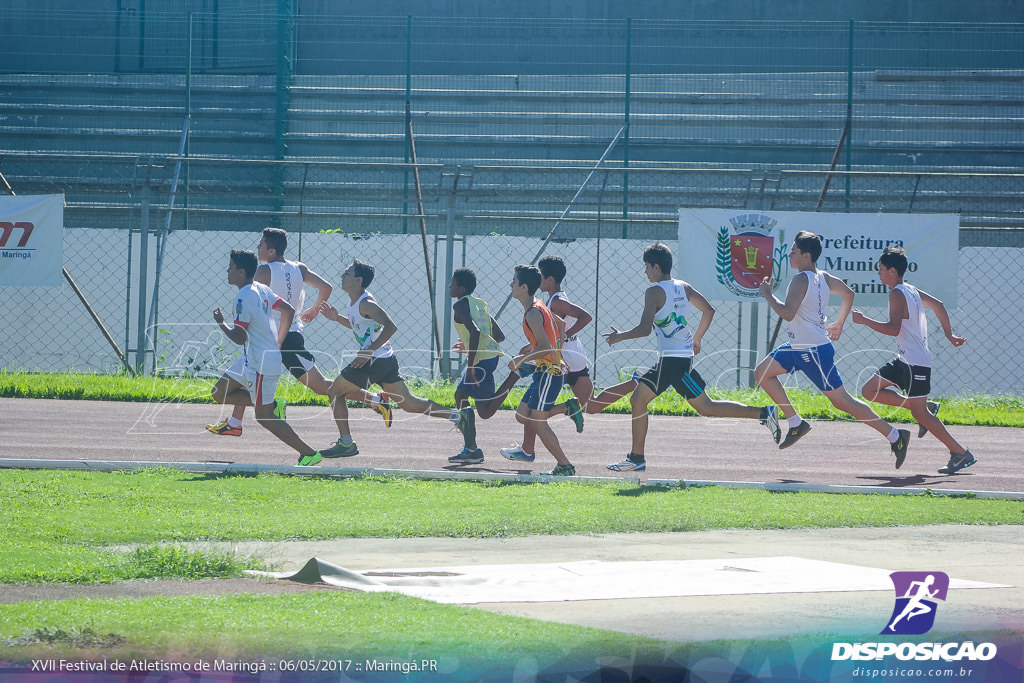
(281,429)
(707,407)
(881,390)
(541,428)
(861,411)
(488,408)
(229,391)
(414,404)
(610,396)
(767,374)
(638,402)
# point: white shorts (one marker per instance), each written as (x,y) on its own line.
(261,387)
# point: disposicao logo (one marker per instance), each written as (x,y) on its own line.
(916,596)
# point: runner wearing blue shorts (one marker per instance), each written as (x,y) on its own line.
(810,349)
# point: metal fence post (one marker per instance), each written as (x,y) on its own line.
(140,332)
(625,125)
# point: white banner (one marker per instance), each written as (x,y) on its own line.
(724,253)
(32,240)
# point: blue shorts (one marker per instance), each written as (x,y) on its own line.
(483,388)
(543,391)
(818,363)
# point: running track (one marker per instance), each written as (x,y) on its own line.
(688,448)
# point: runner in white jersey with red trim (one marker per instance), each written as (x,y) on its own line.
(260,365)
(905,382)
(810,349)
(288,280)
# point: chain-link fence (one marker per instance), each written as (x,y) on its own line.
(486,217)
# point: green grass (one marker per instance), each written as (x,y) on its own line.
(1001,411)
(58,526)
(322,624)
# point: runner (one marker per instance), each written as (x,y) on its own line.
(810,349)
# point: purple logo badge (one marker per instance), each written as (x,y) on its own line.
(916,596)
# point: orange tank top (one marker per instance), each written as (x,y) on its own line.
(552,361)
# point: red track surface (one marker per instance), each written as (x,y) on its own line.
(689,448)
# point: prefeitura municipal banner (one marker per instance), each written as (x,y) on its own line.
(32,240)
(725,253)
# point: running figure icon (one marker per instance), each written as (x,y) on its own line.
(917,594)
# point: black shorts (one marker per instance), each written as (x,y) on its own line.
(377,371)
(294,356)
(572,377)
(914,381)
(676,373)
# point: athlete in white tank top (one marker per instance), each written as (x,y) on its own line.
(912,340)
(286,281)
(807,328)
(573,353)
(671,320)
(366,330)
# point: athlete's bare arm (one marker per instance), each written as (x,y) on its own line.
(837,286)
(707,312)
(496,332)
(566,309)
(939,309)
(331,313)
(460,311)
(287,316)
(794,295)
(897,314)
(371,310)
(654,298)
(323,288)
(235,333)
(262,274)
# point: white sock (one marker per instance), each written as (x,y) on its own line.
(234,422)
(893,435)
(794,421)
(374,400)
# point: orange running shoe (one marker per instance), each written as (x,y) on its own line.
(224,429)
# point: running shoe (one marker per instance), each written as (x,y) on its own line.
(467,456)
(628,465)
(516,452)
(899,448)
(794,434)
(384,409)
(933,408)
(279,407)
(574,412)
(771,420)
(467,424)
(957,463)
(224,429)
(560,471)
(340,450)
(309,460)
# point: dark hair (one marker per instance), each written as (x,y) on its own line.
(808,243)
(465,278)
(276,239)
(364,270)
(529,276)
(658,254)
(894,257)
(246,260)
(552,266)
